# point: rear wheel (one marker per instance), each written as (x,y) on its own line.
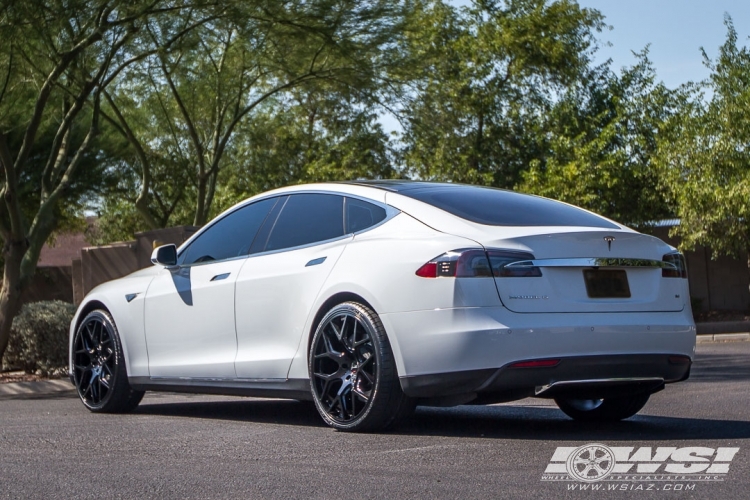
(353,374)
(99,366)
(603,410)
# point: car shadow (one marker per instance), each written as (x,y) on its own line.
(491,422)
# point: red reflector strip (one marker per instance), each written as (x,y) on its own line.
(429,270)
(536,363)
(679,360)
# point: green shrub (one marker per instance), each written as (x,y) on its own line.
(39,338)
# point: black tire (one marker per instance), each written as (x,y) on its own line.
(353,375)
(99,372)
(603,410)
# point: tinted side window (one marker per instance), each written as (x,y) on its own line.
(497,207)
(307,218)
(229,237)
(360,215)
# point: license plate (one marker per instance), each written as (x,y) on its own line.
(606,284)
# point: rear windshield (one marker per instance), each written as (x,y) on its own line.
(497,207)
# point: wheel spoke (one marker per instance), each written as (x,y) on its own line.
(336,356)
(366,375)
(361,395)
(327,376)
(336,331)
(366,362)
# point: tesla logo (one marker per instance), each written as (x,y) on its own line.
(609,240)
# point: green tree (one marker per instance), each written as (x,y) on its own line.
(487,75)
(184,106)
(603,135)
(313,137)
(705,157)
(55,60)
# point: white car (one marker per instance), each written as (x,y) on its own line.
(372,297)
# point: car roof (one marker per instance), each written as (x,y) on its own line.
(400,185)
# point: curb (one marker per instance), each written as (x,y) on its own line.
(22,390)
(720,327)
(722,337)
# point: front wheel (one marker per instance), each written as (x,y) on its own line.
(603,410)
(99,366)
(353,374)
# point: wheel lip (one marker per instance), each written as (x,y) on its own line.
(112,331)
(359,313)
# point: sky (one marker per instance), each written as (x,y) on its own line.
(675,30)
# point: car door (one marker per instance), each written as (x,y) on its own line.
(292,256)
(189,310)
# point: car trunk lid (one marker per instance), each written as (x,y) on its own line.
(587,271)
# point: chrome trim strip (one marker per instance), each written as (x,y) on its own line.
(554,385)
(593,262)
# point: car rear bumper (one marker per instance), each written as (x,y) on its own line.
(575,376)
(453,351)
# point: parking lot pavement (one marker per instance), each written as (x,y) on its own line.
(185,446)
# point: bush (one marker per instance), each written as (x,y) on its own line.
(39,338)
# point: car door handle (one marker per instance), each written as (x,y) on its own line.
(315,262)
(220,277)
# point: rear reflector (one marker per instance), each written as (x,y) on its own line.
(536,363)
(679,360)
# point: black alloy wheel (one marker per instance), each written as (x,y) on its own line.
(99,367)
(352,371)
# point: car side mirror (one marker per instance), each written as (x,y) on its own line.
(165,255)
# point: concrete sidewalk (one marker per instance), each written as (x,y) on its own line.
(42,388)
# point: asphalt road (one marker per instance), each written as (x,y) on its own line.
(215,447)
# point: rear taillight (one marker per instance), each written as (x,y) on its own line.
(522,267)
(477,263)
(678,268)
(465,263)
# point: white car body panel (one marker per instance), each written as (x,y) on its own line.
(275,293)
(128,315)
(475,338)
(189,321)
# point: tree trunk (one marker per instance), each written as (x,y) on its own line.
(10,293)
(199,218)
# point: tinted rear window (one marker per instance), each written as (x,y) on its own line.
(307,218)
(496,207)
(360,215)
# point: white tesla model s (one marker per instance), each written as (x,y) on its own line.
(369,298)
